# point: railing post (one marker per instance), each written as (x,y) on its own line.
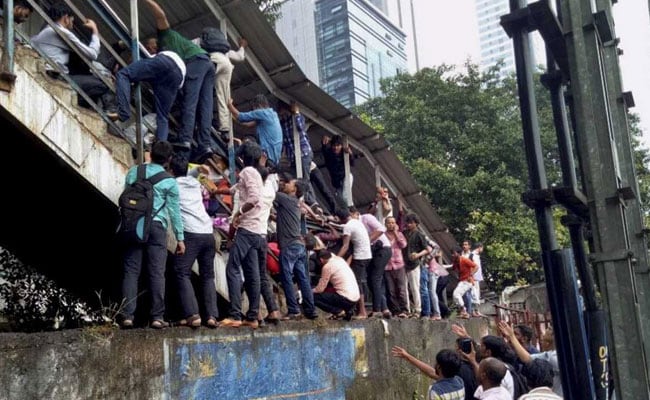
(135,50)
(296,146)
(347,182)
(7,76)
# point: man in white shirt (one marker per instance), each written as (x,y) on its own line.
(165,72)
(49,42)
(490,374)
(355,233)
(199,246)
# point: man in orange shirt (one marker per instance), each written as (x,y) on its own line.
(466,269)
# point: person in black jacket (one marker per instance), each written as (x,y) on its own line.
(334,161)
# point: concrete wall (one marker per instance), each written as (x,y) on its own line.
(305,360)
(48,109)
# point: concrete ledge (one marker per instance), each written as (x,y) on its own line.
(307,360)
(48,109)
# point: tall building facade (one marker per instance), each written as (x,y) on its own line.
(356,45)
(297,29)
(494,43)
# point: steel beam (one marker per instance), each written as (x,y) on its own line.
(603,174)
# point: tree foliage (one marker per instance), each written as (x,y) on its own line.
(270,9)
(460,136)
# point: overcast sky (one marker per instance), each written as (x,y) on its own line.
(447,33)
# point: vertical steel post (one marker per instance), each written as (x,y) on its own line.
(347,182)
(7,75)
(571,348)
(633,215)
(135,51)
(223,26)
(594,317)
(379,212)
(613,242)
(296,146)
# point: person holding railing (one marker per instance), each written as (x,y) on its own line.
(52,44)
(197,102)
(165,72)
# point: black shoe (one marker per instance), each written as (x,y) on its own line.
(312,316)
(291,317)
(186,146)
(203,156)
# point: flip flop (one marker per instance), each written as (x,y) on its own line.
(193,321)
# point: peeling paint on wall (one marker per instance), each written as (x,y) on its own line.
(306,365)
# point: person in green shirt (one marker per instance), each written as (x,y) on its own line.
(196,98)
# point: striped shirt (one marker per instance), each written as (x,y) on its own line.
(541,393)
(447,389)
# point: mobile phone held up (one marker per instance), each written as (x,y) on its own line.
(466,346)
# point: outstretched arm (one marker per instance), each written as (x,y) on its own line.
(509,334)
(159,15)
(426,369)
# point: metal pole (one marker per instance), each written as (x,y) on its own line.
(379,212)
(569,335)
(613,242)
(232,166)
(296,145)
(7,76)
(347,184)
(415,38)
(633,215)
(135,52)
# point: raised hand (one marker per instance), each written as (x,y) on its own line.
(460,331)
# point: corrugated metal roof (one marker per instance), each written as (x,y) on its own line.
(271,69)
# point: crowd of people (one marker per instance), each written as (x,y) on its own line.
(395,267)
(494,368)
(380,256)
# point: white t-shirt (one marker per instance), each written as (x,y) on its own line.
(551,357)
(359,239)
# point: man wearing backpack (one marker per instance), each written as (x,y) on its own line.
(152,244)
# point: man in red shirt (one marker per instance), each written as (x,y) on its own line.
(466,269)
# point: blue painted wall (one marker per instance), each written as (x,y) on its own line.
(275,365)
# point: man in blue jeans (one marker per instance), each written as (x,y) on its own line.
(293,256)
(249,241)
(197,100)
(165,72)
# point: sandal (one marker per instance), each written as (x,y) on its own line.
(193,321)
(126,324)
(464,315)
(212,323)
(159,324)
(341,315)
(273,318)
(402,315)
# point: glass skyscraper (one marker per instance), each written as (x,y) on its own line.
(356,46)
(494,42)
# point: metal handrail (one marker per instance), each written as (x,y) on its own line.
(79,91)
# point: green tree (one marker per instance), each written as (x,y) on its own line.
(271,9)
(459,134)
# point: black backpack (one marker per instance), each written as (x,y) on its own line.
(136,206)
(518,381)
(213,40)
